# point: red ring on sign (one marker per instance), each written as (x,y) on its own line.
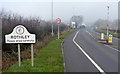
(58,20)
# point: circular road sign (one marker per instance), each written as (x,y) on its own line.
(58,20)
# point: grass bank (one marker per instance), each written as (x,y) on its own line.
(48,59)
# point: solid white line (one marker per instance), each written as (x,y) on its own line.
(94,63)
(90,34)
(112,48)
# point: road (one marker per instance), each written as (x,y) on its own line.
(83,53)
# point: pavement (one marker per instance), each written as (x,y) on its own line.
(83,53)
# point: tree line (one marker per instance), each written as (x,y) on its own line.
(34,25)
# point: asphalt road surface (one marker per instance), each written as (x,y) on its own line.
(83,53)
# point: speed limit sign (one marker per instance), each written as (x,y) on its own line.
(58,20)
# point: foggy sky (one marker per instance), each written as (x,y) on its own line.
(91,11)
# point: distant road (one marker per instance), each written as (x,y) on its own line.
(99,57)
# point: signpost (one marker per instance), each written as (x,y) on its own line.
(19,59)
(21,35)
(58,21)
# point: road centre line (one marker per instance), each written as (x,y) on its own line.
(90,34)
(112,48)
(93,62)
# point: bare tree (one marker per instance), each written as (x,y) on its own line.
(77,19)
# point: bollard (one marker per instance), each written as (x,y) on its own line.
(110,38)
(102,36)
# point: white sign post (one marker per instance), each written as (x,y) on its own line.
(58,32)
(19,59)
(58,21)
(32,57)
(21,35)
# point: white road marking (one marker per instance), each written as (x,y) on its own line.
(112,48)
(90,34)
(93,62)
(116,38)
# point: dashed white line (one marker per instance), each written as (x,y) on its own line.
(116,38)
(90,34)
(112,48)
(93,62)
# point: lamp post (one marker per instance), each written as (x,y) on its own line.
(52,16)
(108,20)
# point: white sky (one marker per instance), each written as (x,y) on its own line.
(59,0)
(91,10)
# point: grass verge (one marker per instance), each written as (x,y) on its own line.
(48,59)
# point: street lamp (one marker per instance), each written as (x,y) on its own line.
(52,16)
(108,20)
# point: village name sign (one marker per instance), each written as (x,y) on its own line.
(21,35)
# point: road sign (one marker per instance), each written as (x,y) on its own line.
(58,20)
(20,35)
(73,23)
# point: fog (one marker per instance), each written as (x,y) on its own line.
(91,11)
